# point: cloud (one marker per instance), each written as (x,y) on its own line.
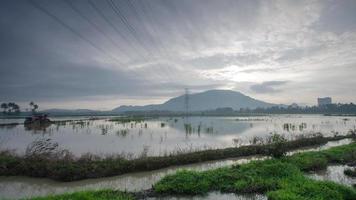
(161,47)
(268,87)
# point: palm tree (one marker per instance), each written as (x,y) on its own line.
(10,106)
(5,107)
(16,108)
(33,106)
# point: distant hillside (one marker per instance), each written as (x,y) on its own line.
(208,100)
(71,112)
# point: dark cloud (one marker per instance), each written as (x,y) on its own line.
(268,86)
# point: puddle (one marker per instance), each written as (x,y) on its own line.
(334,173)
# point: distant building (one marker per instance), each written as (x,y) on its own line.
(324,101)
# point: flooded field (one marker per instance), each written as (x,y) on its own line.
(20,187)
(161,136)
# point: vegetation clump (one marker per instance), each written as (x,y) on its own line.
(278,147)
(127,119)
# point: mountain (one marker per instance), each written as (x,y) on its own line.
(208,100)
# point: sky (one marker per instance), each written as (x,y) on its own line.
(100,54)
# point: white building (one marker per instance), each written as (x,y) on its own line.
(324,101)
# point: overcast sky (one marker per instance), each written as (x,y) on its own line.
(100,54)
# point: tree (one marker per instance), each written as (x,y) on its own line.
(33,106)
(16,108)
(4,107)
(11,107)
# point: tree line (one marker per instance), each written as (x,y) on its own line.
(13,108)
(325,109)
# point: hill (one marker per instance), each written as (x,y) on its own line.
(208,100)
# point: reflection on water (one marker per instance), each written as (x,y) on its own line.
(162,136)
(334,173)
(37,127)
(217,196)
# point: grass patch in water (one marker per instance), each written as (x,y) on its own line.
(127,119)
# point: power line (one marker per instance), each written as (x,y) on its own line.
(117,30)
(146,15)
(44,10)
(136,11)
(57,19)
(124,20)
(112,25)
(97,28)
(134,33)
(133,8)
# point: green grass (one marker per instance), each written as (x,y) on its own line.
(90,195)
(302,188)
(278,178)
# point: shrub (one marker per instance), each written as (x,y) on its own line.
(278,146)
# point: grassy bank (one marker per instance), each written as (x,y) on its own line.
(278,178)
(65,167)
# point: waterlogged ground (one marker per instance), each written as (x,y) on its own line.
(161,136)
(21,187)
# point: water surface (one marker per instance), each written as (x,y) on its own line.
(162,136)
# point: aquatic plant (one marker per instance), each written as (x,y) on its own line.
(122,132)
(188,128)
(127,119)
